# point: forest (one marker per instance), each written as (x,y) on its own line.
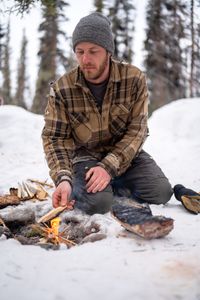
(171,47)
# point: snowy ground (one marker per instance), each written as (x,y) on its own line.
(122,266)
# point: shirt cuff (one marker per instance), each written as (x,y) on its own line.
(63,175)
(111,164)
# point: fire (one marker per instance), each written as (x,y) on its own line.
(53,231)
(55,223)
(53,234)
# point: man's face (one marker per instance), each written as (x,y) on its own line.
(93,61)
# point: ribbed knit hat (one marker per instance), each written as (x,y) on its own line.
(94,28)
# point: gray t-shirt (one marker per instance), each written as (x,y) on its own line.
(98,91)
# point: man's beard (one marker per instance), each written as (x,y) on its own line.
(94,73)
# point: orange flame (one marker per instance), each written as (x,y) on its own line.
(55,225)
(54,235)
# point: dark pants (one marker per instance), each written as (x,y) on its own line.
(143,181)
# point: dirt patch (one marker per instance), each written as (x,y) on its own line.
(182,269)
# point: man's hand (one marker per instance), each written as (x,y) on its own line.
(62,194)
(97,179)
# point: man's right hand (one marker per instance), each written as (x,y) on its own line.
(62,194)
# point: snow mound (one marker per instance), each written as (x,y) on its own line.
(174,141)
(122,266)
(21,151)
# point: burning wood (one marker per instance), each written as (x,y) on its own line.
(66,230)
(55,212)
(52,234)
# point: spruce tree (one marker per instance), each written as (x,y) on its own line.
(121,16)
(6,87)
(164,59)
(194,49)
(50,54)
(2,44)
(99,5)
(197,63)
(24,6)
(21,75)
(1,59)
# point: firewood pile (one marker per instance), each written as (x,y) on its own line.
(27,190)
(22,217)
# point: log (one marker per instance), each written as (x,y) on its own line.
(9,200)
(41,193)
(52,214)
(139,220)
(24,191)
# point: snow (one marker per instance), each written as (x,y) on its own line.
(122,266)
(175,140)
(21,152)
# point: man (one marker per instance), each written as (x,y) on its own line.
(95,126)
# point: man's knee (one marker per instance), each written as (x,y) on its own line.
(166,192)
(159,192)
(98,203)
(90,203)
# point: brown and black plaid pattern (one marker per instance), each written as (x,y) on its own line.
(75,130)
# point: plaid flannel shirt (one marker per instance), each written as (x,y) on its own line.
(75,130)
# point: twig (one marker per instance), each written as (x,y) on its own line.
(66,241)
(41,182)
(2,223)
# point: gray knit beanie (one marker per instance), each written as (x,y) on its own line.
(94,28)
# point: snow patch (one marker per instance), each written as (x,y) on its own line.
(122,266)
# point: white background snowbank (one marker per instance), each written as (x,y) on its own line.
(118,267)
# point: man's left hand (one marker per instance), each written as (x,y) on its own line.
(97,179)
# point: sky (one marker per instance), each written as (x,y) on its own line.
(123,265)
(75,11)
